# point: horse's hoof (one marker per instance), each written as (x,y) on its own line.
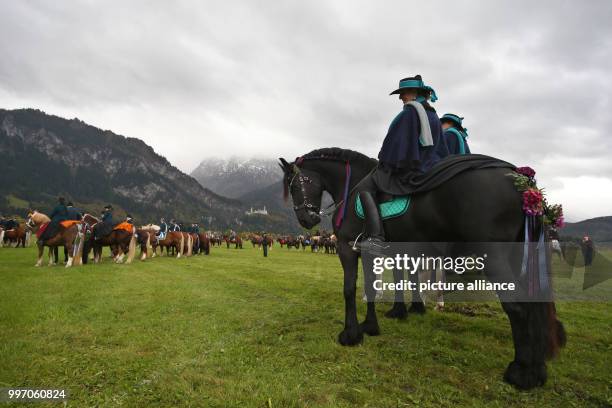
(398,311)
(350,337)
(371,329)
(417,308)
(525,377)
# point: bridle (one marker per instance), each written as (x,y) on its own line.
(330,209)
(303,180)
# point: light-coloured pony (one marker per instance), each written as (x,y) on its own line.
(71,238)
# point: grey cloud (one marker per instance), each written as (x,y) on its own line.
(197,79)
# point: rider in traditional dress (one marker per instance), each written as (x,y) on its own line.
(129,219)
(59,214)
(174,226)
(413,144)
(455,134)
(104,227)
(73,213)
(163,228)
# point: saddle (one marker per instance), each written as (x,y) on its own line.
(125,226)
(69,223)
(389,206)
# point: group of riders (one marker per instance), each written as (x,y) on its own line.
(416,140)
(65,211)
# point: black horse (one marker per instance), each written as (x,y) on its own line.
(489,209)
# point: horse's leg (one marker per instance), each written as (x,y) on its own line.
(51,254)
(440,277)
(120,253)
(41,251)
(417,305)
(68,248)
(398,311)
(528,369)
(370,324)
(352,333)
(529,324)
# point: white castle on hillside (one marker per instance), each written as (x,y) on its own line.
(261,212)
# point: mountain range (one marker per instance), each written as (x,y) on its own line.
(44,156)
(599,229)
(235,177)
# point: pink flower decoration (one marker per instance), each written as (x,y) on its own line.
(532,202)
(526,171)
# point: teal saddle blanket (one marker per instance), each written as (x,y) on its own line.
(389,209)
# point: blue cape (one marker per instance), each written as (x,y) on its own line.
(401,148)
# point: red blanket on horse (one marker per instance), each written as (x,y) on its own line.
(68,223)
(42,229)
(126,226)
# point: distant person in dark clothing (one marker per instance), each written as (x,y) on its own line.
(588,249)
(163,228)
(59,214)
(264,244)
(73,213)
(8,223)
(104,227)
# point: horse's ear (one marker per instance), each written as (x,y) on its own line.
(284,165)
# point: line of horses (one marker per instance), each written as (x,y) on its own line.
(78,238)
(318,243)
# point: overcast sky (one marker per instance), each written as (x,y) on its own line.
(197,79)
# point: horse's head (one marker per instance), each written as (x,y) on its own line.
(35,219)
(306,191)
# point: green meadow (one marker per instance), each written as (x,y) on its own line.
(234,329)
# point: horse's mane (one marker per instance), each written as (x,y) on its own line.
(340,154)
(39,217)
(334,153)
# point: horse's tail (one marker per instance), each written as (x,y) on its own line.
(536,263)
(181,247)
(556,332)
(189,245)
(77,248)
(132,248)
(2,237)
(148,246)
(28,235)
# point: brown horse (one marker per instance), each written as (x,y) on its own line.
(146,239)
(120,241)
(204,242)
(66,237)
(18,236)
(237,241)
(174,240)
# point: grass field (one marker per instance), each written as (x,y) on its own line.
(235,329)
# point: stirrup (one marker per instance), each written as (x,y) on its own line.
(374,246)
(355,244)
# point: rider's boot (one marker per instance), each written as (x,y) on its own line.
(374,241)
